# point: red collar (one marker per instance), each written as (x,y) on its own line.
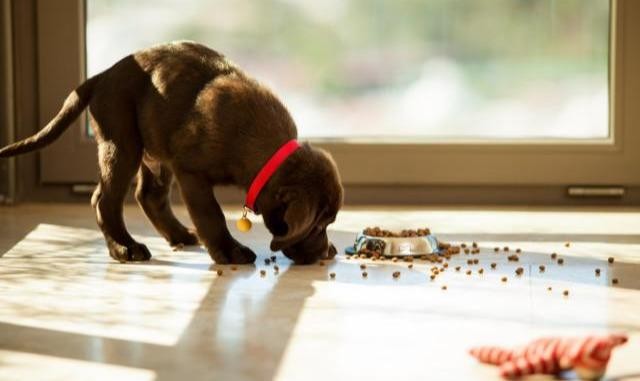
(267,171)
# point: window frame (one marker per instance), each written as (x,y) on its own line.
(504,163)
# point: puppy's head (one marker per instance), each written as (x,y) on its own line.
(301,201)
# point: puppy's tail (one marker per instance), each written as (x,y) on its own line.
(71,109)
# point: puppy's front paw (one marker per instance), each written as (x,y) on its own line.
(241,255)
(131,253)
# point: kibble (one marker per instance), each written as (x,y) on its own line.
(234,268)
(444,287)
(432,276)
(219,272)
(463,245)
(470,261)
(542,268)
(560,261)
(263,272)
(475,245)
(377,232)
(519,271)
(410,265)
(467,251)
(506,248)
(320,263)
(614,280)
(394,259)
(493,265)
(332,275)
(549,288)
(513,258)
(267,261)
(396,274)
(496,249)
(610,260)
(276,268)
(445,265)
(567,244)
(504,279)
(468,272)
(554,255)
(363,266)
(480,271)
(273,258)
(364,274)
(565,292)
(597,272)
(476,261)
(518,251)
(457,268)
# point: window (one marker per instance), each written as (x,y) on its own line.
(386,70)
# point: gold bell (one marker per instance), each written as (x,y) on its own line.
(244,224)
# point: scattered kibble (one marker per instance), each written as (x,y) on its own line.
(480,271)
(273,258)
(396,274)
(263,272)
(597,272)
(513,258)
(504,279)
(567,244)
(444,287)
(470,261)
(475,245)
(542,268)
(519,271)
(506,248)
(445,265)
(565,292)
(549,288)
(394,259)
(433,277)
(332,275)
(554,255)
(463,245)
(219,272)
(467,251)
(611,260)
(234,268)
(476,261)
(276,268)
(493,265)
(614,280)
(457,268)
(468,272)
(496,249)
(560,261)
(267,261)
(410,265)
(363,266)
(320,263)
(518,251)
(364,274)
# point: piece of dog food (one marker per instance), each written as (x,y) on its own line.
(396,274)
(394,259)
(597,272)
(445,265)
(467,251)
(470,261)
(457,268)
(267,261)
(474,244)
(332,275)
(463,245)
(480,271)
(410,265)
(610,259)
(614,281)
(364,274)
(234,268)
(549,288)
(496,249)
(219,272)
(567,244)
(444,287)
(554,255)
(468,272)
(320,263)
(560,261)
(519,271)
(476,261)
(506,248)
(363,266)
(518,251)
(541,268)
(565,292)
(504,279)
(276,268)
(513,258)
(493,265)
(432,276)
(263,272)
(273,258)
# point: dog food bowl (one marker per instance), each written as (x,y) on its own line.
(396,246)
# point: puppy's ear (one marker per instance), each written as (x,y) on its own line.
(299,216)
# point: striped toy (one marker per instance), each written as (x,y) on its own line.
(587,356)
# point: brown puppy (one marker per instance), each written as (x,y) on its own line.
(182,109)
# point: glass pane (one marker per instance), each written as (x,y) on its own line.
(388,70)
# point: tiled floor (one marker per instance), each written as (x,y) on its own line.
(67,312)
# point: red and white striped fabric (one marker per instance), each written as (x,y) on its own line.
(587,356)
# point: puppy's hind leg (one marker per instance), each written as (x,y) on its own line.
(118,165)
(152,192)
